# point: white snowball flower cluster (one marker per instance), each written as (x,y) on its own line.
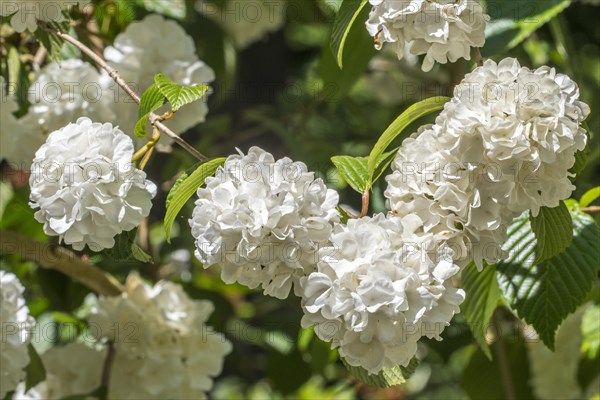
(26,13)
(443,30)
(163,347)
(85,187)
(73,369)
(263,221)
(503,145)
(378,289)
(246,21)
(15,335)
(59,95)
(146,48)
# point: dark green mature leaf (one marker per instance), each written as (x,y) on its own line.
(141,255)
(171,8)
(544,294)
(553,229)
(513,21)
(354,169)
(35,371)
(151,100)
(181,193)
(179,95)
(126,249)
(388,377)
(345,18)
(482,296)
(590,329)
(337,82)
(410,115)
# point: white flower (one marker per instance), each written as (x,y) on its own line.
(263,221)
(378,289)
(85,187)
(73,369)
(60,94)
(146,48)
(443,30)
(26,13)
(529,123)
(163,347)
(503,145)
(15,335)
(246,21)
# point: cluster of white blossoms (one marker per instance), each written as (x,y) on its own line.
(263,221)
(379,288)
(71,370)
(162,345)
(146,48)
(85,186)
(25,14)
(503,145)
(15,335)
(443,30)
(245,21)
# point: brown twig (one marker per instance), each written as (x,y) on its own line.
(478,56)
(59,259)
(591,209)
(365,203)
(108,361)
(507,380)
(113,73)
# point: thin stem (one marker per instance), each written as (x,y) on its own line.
(154,119)
(507,380)
(365,203)
(478,56)
(591,209)
(108,362)
(60,259)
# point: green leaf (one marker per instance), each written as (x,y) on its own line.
(170,8)
(18,81)
(35,371)
(141,255)
(182,192)
(581,160)
(51,42)
(589,197)
(482,296)
(179,95)
(6,194)
(388,377)
(151,100)
(344,20)
(344,215)
(514,21)
(354,169)
(337,82)
(410,115)
(544,294)
(553,229)
(590,329)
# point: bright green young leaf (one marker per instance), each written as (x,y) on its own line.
(151,100)
(544,294)
(589,197)
(388,377)
(338,82)
(35,371)
(354,169)
(18,82)
(344,20)
(6,194)
(141,255)
(590,329)
(553,229)
(171,8)
(410,115)
(180,194)
(513,21)
(482,296)
(179,95)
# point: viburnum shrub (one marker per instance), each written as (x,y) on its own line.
(469,218)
